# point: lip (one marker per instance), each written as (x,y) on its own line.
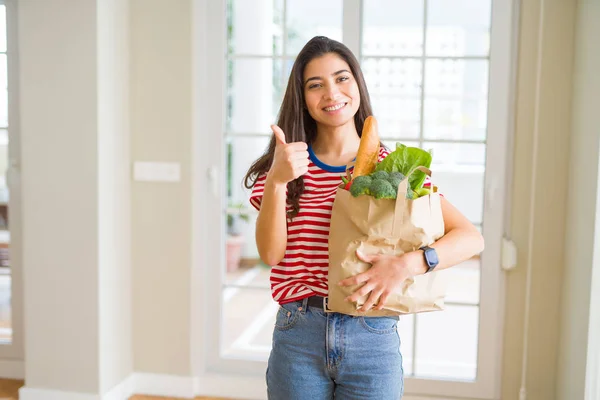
(345,103)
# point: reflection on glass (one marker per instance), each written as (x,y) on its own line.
(309,18)
(453,354)
(392,28)
(458,28)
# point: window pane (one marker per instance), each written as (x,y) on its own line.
(458,28)
(247,323)
(255,27)
(242,153)
(456,99)
(3,28)
(253,95)
(395,91)
(309,18)
(406,330)
(392,28)
(463,186)
(3,108)
(447,343)
(456,154)
(463,282)
(391,144)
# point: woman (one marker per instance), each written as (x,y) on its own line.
(318,355)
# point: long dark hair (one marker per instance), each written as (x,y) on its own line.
(294,119)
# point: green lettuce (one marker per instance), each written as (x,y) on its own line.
(404,159)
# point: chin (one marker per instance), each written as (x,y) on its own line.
(336,121)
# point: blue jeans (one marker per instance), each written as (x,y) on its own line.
(319,356)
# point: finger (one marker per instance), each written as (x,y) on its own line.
(279,135)
(382,299)
(355,280)
(363,291)
(302,162)
(372,300)
(300,171)
(299,146)
(365,257)
(300,155)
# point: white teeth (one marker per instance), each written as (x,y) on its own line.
(336,107)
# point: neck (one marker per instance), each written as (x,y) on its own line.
(337,142)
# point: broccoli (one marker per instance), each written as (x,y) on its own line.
(380,175)
(382,189)
(395,178)
(411,194)
(360,185)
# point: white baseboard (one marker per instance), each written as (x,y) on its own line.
(136,383)
(232,386)
(163,385)
(12,369)
(123,390)
(186,387)
(26,393)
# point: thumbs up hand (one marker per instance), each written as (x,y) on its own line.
(290,159)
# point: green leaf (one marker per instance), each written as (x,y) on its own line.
(404,159)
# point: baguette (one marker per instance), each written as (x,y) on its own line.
(368,150)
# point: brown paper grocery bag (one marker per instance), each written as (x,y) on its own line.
(384,226)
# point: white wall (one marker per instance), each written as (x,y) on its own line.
(579,338)
(59,131)
(161,92)
(75,157)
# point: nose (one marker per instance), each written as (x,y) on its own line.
(333,93)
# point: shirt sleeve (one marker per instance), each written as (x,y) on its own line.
(257,191)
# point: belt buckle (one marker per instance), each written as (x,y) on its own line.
(325,305)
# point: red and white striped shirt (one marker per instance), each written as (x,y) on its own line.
(303,270)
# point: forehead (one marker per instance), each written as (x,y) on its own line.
(324,66)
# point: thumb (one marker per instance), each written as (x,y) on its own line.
(364,257)
(279,135)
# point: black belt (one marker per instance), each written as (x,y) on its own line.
(316,302)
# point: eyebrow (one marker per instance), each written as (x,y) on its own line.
(316,78)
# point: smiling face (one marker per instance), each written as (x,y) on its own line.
(330,91)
